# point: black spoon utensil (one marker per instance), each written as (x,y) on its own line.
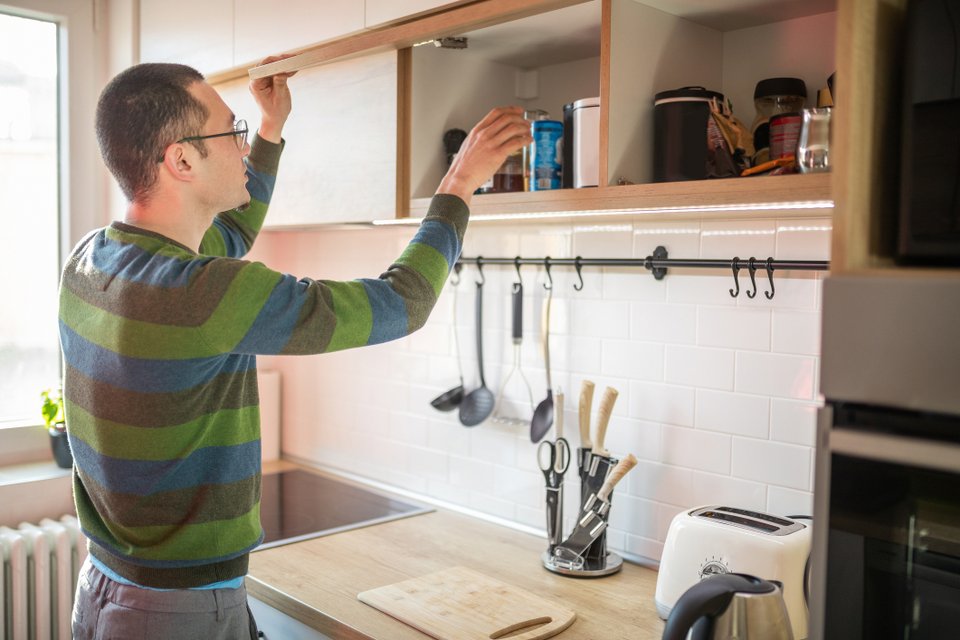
(478,404)
(543,414)
(450,400)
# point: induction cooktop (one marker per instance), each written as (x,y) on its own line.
(297,505)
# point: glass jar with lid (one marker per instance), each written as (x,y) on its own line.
(773,96)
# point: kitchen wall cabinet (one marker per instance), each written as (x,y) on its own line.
(378,12)
(866,140)
(223,35)
(262,29)
(199,34)
(340,160)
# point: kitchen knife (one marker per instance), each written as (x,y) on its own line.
(586,405)
(603,419)
(569,554)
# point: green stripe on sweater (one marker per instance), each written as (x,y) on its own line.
(223,428)
(351,304)
(428,262)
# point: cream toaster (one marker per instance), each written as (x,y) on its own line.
(709,540)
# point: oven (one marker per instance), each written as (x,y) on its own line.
(886,539)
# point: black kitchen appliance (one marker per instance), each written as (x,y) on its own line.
(886,538)
(298,505)
(680,144)
(929,225)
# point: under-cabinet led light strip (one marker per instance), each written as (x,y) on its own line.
(559,215)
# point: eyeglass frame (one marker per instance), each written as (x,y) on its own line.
(240,129)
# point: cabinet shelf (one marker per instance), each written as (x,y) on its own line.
(798,196)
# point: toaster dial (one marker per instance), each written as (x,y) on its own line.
(713,566)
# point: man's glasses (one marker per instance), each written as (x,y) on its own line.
(240,130)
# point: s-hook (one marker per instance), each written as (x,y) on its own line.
(546,264)
(516,264)
(483,278)
(736,277)
(753,278)
(772,291)
(578,266)
(455,278)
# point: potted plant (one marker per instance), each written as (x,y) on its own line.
(53,417)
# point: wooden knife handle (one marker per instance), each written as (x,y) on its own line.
(618,472)
(603,419)
(586,404)
(558,413)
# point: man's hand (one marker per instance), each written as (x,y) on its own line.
(500,133)
(273,97)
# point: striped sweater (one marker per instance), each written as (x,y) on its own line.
(159,345)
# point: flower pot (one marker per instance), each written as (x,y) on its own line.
(61,448)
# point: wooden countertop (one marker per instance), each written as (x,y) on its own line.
(317,581)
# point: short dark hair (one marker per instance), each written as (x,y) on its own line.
(142,111)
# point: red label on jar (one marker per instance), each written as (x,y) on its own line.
(784,134)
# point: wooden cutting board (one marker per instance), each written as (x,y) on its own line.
(462,604)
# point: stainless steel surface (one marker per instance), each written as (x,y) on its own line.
(892,342)
(754,616)
(755,521)
(610,564)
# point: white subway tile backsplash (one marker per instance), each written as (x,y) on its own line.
(793,422)
(743,239)
(734,328)
(796,332)
(699,366)
(667,323)
(662,403)
(787,502)
(711,488)
(626,284)
(634,360)
(663,482)
(696,449)
(717,394)
(600,319)
(776,375)
(734,413)
(785,465)
(804,239)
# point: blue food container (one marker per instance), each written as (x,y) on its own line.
(546,161)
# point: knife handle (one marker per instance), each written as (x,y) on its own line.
(603,419)
(618,472)
(558,413)
(586,404)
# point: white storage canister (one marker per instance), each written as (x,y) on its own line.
(586,143)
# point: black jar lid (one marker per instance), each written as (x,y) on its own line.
(780,87)
(689,93)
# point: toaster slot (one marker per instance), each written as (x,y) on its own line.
(753,520)
(735,519)
(758,516)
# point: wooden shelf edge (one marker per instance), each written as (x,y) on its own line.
(775,196)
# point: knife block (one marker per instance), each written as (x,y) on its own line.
(597,560)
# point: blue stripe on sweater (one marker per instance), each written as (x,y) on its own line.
(273,326)
(442,237)
(162,564)
(142,374)
(260,185)
(234,243)
(132,263)
(389,311)
(208,465)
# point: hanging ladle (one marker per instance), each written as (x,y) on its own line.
(478,404)
(543,414)
(450,400)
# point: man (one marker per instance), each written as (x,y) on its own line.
(160,323)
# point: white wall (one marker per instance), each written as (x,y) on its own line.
(717,395)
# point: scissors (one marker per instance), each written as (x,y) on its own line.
(554,457)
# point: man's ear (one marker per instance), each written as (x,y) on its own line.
(178,162)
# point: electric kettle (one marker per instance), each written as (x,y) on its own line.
(730,606)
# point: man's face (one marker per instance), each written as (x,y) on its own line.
(224,178)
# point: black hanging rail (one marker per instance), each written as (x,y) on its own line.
(658,263)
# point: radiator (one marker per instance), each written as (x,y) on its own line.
(40,568)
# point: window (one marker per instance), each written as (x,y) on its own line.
(29,215)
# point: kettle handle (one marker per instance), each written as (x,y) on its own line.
(708,598)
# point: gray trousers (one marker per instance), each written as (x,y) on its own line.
(107,610)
